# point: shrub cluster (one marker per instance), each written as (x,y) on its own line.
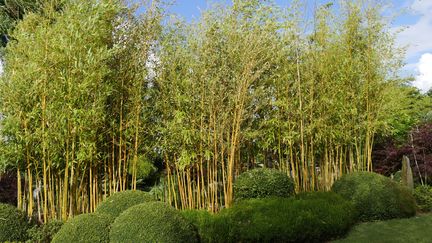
(129,216)
(311,217)
(44,233)
(315,218)
(376,197)
(262,183)
(423,197)
(152,222)
(261,216)
(13,224)
(115,204)
(91,228)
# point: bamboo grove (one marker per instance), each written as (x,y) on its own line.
(92,90)
(71,101)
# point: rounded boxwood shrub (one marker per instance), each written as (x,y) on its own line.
(93,227)
(423,197)
(261,183)
(13,224)
(311,217)
(152,222)
(376,197)
(115,204)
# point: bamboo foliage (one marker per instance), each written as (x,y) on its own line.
(93,90)
(310,108)
(210,75)
(129,108)
(66,91)
(57,90)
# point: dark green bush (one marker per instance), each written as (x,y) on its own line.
(13,224)
(115,204)
(423,197)
(311,217)
(93,227)
(210,227)
(152,222)
(376,197)
(261,183)
(44,233)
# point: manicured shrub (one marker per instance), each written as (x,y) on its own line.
(210,227)
(261,183)
(93,227)
(376,197)
(13,224)
(115,204)
(44,233)
(309,217)
(312,217)
(423,197)
(152,222)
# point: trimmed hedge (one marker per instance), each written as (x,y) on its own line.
(423,197)
(13,224)
(376,197)
(93,227)
(209,227)
(115,204)
(152,222)
(44,233)
(262,183)
(310,217)
(315,218)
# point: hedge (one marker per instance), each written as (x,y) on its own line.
(261,183)
(44,233)
(152,222)
(115,204)
(13,224)
(376,197)
(310,217)
(423,197)
(209,227)
(91,228)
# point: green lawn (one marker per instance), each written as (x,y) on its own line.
(416,229)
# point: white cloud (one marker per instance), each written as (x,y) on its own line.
(422,6)
(423,80)
(418,35)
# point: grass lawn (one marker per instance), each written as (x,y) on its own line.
(416,229)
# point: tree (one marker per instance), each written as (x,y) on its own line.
(54,94)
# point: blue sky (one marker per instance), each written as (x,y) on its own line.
(414,15)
